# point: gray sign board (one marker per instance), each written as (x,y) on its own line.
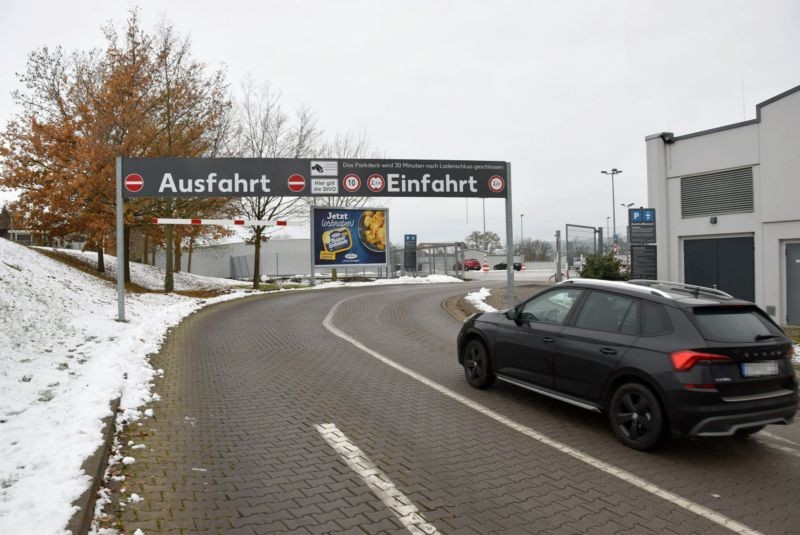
(276,177)
(642,225)
(643,260)
(410,252)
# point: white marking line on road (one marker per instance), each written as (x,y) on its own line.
(603,466)
(778,447)
(378,482)
(778,438)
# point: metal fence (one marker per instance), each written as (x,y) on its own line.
(581,241)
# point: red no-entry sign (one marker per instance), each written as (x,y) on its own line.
(134,182)
(296,183)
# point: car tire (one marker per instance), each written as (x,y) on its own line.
(636,417)
(746,432)
(477,365)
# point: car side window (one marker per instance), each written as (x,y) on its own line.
(609,312)
(655,321)
(551,307)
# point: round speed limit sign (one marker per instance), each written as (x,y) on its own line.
(496,184)
(351,183)
(376,183)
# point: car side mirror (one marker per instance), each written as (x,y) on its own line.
(512,314)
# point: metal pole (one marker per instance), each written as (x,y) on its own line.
(120,245)
(484,225)
(614,209)
(558,256)
(521,240)
(512,300)
(311,244)
(389,262)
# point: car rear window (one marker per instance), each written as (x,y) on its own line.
(734,324)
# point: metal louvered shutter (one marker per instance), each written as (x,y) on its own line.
(723,192)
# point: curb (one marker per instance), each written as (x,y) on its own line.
(94,466)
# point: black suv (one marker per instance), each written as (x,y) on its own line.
(658,357)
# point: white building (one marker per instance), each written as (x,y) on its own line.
(727,206)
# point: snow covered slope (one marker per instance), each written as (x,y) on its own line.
(151,277)
(63,357)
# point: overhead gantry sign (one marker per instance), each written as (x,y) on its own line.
(306,177)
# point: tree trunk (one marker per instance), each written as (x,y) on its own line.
(101,263)
(169,281)
(177,264)
(145,260)
(191,248)
(257,263)
(126,241)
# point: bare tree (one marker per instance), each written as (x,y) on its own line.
(265,131)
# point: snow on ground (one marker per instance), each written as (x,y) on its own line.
(63,358)
(478,300)
(151,277)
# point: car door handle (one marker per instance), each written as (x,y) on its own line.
(548,339)
(608,351)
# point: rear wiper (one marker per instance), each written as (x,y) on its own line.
(765,336)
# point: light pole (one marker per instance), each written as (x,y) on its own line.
(521,240)
(614,171)
(609,237)
(628,226)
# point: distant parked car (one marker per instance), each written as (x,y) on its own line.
(502,265)
(469,264)
(658,358)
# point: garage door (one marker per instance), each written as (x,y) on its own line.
(725,263)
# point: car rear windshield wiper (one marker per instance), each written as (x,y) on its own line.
(765,336)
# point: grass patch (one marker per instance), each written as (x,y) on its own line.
(272,287)
(89,268)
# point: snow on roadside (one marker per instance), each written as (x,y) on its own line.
(478,300)
(150,277)
(63,358)
(430,279)
(796,358)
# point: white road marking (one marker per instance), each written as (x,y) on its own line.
(603,466)
(378,482)
(778,438)
(778,447)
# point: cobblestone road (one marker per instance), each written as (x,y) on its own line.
(235,447)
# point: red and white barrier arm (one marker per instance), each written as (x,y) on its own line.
(225,222)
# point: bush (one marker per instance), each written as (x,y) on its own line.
(602,266)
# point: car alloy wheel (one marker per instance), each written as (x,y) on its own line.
(636,417)
(477,367)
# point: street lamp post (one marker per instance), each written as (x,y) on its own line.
(627,206)
(521,240)
(609,237)
(613,173)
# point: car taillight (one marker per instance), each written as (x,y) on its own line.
(685,360)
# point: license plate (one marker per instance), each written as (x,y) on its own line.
(760,369)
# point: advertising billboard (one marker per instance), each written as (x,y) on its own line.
(349,236)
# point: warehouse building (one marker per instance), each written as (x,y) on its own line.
(727,206)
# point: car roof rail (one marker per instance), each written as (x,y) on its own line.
(622,284)
(691,289)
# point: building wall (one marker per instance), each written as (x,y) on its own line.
(769,145)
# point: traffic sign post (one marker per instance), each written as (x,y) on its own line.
(284,177)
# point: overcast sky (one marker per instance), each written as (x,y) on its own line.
(561,90)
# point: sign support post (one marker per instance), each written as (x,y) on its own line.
(120,245)
(312,256)
(512,300)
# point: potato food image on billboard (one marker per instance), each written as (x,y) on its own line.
(344,236)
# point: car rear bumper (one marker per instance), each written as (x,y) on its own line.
(724,418)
